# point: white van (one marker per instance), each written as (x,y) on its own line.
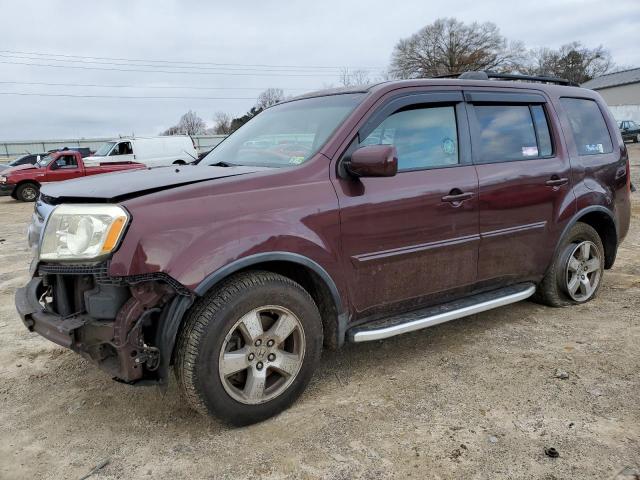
(152,151)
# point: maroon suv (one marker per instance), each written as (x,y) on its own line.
(340,216)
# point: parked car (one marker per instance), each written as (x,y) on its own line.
(630,130)
(23,182)
(151,151)
(29,159)
(419,202)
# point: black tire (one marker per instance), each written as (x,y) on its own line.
(204,335)
(27,192)
(553,289)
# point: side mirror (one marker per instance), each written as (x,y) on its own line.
(373,161)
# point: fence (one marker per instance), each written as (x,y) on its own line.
(11,150)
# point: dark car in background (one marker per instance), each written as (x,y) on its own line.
(630,130)
(349,215)
(29,159)
(83,151)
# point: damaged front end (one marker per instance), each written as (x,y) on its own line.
(126,325)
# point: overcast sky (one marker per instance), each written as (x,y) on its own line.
(297,46)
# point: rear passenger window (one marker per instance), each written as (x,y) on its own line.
(588,126)
(424,137)
(512,132)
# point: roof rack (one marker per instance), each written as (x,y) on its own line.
(487,75)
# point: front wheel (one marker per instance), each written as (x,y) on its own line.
(248,349)
(576,273)
(27,192)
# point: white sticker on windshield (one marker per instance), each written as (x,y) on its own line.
(529,151)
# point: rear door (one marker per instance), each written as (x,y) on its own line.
(413,238)
(524,183)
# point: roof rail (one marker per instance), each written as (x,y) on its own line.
(488,74)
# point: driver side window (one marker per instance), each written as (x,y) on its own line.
(66,161)
(424,137)
(123,148)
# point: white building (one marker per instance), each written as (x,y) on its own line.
(621,91)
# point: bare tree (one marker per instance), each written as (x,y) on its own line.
(269,97)
(222,123)
(350,78)
(172,131)
(189,124)
(572,61)
(449,46)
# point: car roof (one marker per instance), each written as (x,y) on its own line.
(383,87)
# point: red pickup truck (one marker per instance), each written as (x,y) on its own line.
(23,182)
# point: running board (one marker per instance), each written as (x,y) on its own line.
(431,316)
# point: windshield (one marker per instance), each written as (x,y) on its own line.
(44,161)
(286,134)
(104,150)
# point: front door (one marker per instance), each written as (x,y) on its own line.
(122,152)
(409,239)
(64,167)
(525,184)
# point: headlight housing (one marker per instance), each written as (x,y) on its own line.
(83,232)
(3,179)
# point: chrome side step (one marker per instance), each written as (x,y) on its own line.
(442,313)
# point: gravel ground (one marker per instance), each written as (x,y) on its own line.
(474,398)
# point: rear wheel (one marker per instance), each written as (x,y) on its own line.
(576,273)
(27,192)
(249,349)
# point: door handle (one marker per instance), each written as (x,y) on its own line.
(456,197)
(555,181)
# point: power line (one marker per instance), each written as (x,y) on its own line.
(151,65)
(243,74)
(123,96)
(181,87)
(191,62)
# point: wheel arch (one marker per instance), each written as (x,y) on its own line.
(603,222)
(308,273)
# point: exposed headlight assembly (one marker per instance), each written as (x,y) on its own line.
(83,232)
(3,179)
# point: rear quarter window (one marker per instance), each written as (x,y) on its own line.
(588,127)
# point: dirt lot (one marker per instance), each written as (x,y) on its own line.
(474,398)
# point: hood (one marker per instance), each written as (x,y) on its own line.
(18,168)
(117,186)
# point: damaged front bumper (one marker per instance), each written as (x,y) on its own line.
(126,328)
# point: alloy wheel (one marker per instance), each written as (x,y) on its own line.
(262,354)
(29,194)
(583,271)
